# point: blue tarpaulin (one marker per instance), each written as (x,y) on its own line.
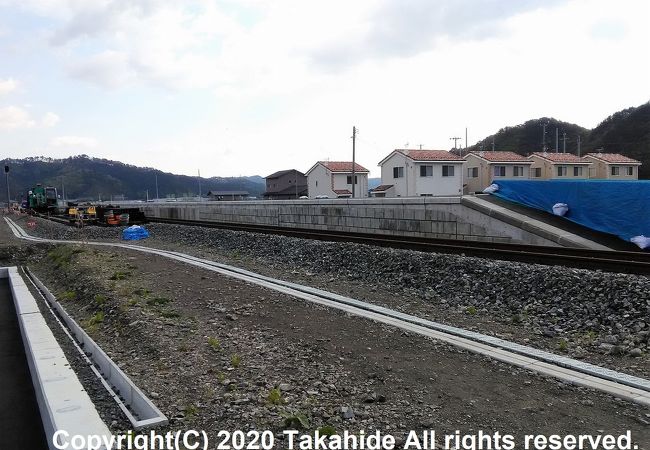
(621,208)
(134,233)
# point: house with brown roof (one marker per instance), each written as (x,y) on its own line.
(285,184)
(558,166)
(420,173)
(481,168)
(612,166)
(334,180)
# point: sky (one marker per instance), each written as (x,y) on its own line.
(249,87)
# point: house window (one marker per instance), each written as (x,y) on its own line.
(577,171)
(447,171)
(398,172)
(616,170)
(356,179)
(561,171)
(472,172)
(518,171)
(426,171)
(537,172)
(499,171)
(630,171)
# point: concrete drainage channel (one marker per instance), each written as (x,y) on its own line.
(577,372)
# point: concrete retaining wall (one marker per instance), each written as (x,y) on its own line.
(433,217)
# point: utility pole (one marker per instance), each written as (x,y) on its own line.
(556,140)
(544,137)
(564,142)
(8,196)
(455,139)
(199,184)
(461,152)
(354,139)
(578,145)
(156,185)
(492,143)
(296,185)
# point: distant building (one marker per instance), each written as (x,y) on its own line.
(334,180)
(558,166)
(228,195)
(612,166)
(285,184)
(482,168)
(417,173)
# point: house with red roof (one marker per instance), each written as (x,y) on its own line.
(558,166)
(334,180)
(420,173)
(612,166)
(481,168)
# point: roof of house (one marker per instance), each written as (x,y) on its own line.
(429,155)
(211,193)
(340,166)
(342,192)
(560,157)
(613,158)
(280,173)
(382,187)
(500,156)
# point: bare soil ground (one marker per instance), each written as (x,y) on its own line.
(216,353)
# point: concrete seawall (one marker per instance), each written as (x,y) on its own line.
(432,217)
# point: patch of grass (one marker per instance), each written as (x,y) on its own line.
(295,419)
(167,314)
(221,377)
(471,310)
(590,337)
(158,301)
(132,302)
(120,275)
(327,430)
(563,345)
(190,411)
(142,292)
(100,299)
(235,360)
(214,343)
(62,255)
(275,397)
(97,318)
(69,295)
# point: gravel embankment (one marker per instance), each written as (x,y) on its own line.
(603,312)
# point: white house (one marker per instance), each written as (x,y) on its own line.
(612,166)
(483,167)
(416,173)
(334,179)
(558,166)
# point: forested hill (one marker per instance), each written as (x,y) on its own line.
(90,178)
(626,132)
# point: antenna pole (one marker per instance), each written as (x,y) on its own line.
(578,145)
(564,142)
(544,137)
(354,139)
(556,140)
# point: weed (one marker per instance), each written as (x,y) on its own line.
(275,397)
(120,275)
(517,318)
(295,419)
(235,360)
(190,411)
(100,299)
(221,377)
(214,343)
(97,318)
(471,310)
(69,295)
(327,430)
(167,314)
(590,336)
(62,255)
(132,302)
(184,347)
(142,292)
(158,301)
(563,345)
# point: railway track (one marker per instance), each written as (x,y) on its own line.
(621,385)
(606,260)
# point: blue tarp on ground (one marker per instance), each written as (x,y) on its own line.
(134,233)
(621,208)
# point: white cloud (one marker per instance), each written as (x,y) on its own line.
(8,85)
(13,117)
(50,119)
(73,141)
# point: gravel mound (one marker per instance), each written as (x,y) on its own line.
(612,310)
